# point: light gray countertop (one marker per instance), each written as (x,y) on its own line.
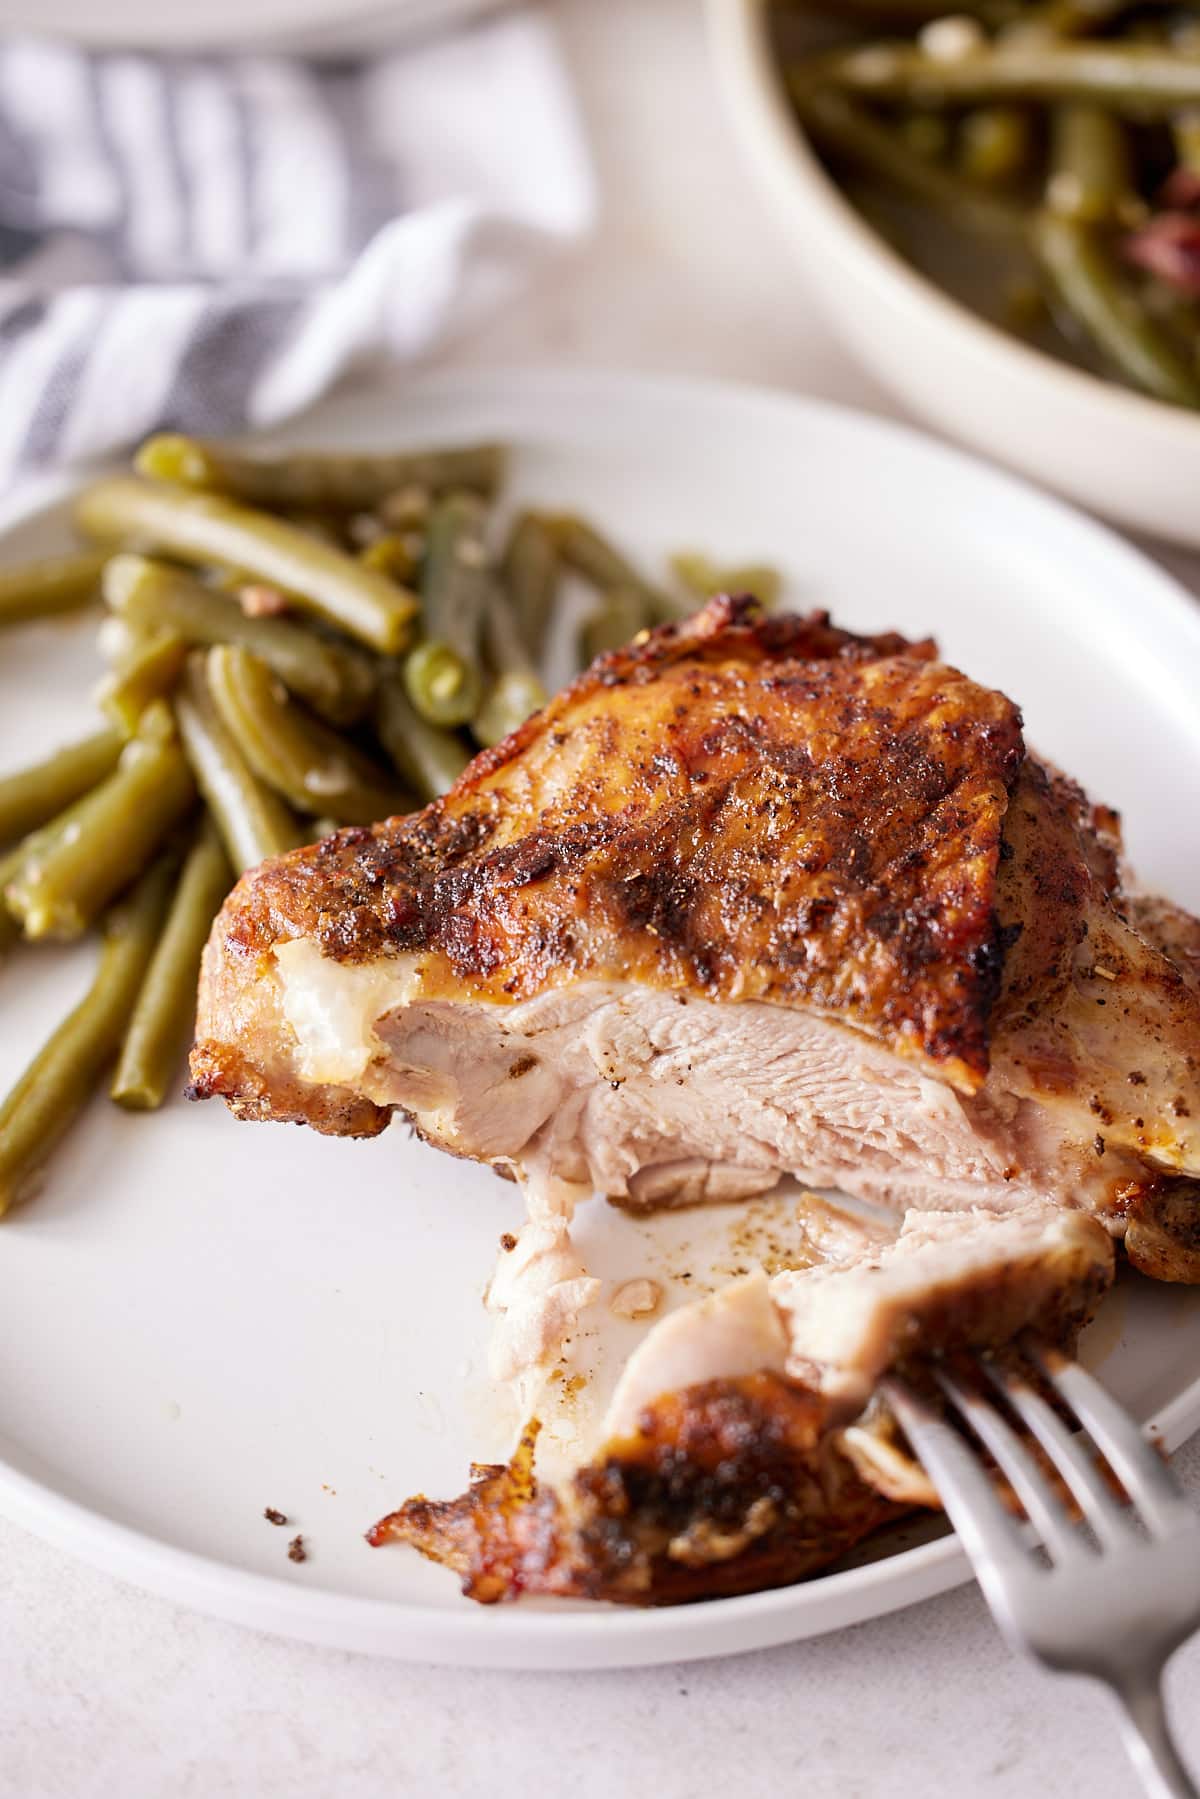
(105,1691)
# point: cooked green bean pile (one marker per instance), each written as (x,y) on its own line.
(293,644)
(1055,143)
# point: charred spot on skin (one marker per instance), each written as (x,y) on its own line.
(296,1550)
(508,1242)
(523,1065)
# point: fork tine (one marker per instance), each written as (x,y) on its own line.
(1041,1504)
(1099,1504)
(989,1535)
(1142,1472)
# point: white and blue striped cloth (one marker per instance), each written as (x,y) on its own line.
(204,243)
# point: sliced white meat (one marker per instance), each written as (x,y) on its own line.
(961,1279)
(965,1279)
(735,1331)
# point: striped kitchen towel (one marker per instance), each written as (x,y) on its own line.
(204,243)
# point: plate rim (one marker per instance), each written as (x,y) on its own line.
(321,25)
(525,1637)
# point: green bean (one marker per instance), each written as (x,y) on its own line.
(1145,79)
(328,526)
(301,478)
(1185,129)
(900,14)
(166,1002)
(337,681)
(62,1076)
(1090,180)
(442,674)
(310,765)
(253,821)
(54,584)
(703,577)
(1023,305)
(427,757)
(841,128)
(120,642)
(32,795)
(10,930)
(437,681)
(926,134)
(70,873)
(36,845)
(396,554)
(602,564)
(509,702)
(408,508)
(1050,19)
(205,528)
(613,624)
(995,144)
(157,723)
(1089,288)
(516,690)
(529,570)
(149,673)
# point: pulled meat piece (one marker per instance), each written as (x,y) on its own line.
(728,1487)
(1168,246)
(745,1449)
(961,1280)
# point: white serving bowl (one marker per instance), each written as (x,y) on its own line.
(1135,460)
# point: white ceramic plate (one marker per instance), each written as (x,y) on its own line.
(311,26)
(201,1318)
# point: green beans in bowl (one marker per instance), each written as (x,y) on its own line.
(998,205)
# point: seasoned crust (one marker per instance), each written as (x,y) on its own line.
(735,806)
(249,1059)
(727,1487)
(217,1069)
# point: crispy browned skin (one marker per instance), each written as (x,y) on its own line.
(729,1487)
(736,807)
(1070,963)
(1170,929)
(1163,1235)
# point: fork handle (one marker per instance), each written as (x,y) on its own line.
(1149,1742)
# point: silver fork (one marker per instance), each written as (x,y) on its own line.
(1115,1603)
